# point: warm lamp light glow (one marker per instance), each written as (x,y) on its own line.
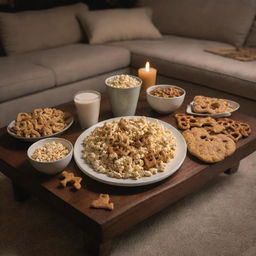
(147,66)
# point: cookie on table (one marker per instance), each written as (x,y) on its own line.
(208,148)
(208,105)
(103,202)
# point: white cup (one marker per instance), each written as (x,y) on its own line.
(88,107)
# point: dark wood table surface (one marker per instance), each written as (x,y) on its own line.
(132,205)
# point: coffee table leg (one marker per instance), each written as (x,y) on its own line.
(19,193)
(233,169)
(95,247)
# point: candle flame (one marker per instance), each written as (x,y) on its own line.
(147,66)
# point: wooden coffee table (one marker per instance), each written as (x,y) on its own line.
(132,205)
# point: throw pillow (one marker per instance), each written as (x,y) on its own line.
(118,24)
(219,20)
(35,30)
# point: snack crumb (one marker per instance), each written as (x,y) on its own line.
(70,178)
(103,202)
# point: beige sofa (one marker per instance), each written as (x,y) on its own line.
(64,65)
(49,72)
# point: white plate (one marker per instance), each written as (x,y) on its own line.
(224,114)
(69,121)
(172,166)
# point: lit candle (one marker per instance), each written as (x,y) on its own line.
(148,77)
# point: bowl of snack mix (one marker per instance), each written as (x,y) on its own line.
(123,92)
(40,124)
(165,98)
(51,155)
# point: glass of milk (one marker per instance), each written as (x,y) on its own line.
(88,107)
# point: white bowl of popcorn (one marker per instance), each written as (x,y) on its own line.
(51,155)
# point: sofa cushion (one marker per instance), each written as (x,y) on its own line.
(185,59)
(223,20)
(34,30)
(19,78)
(118,24)
(78,61)
(51,97)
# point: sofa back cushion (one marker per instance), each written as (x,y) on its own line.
(34,30)
(220,20)
(119,24)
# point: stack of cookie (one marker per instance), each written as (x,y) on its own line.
(209,139)
(208,105)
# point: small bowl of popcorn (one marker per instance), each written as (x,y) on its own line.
(51,155)
(123,92)
(165,98)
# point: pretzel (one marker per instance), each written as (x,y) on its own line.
(232,128)
(188,121)
(236,129)
(245,129)
(23,116)
(41,122)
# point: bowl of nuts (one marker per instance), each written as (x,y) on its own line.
(51,155)
(165,98)
(123,92)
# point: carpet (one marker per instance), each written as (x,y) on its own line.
(218,220)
